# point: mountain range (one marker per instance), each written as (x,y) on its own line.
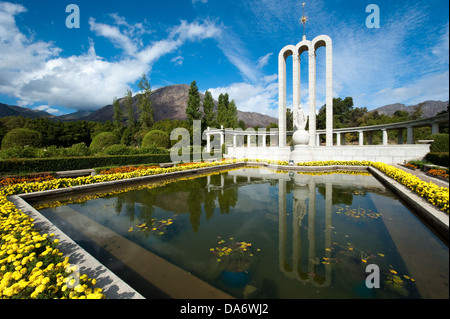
(170,102)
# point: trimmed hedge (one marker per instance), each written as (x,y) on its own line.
(75,163)
(438,158)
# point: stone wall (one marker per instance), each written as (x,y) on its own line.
(389,154)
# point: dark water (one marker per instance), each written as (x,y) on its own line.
(254,233)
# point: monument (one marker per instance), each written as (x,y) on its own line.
(300,135)
(305,146)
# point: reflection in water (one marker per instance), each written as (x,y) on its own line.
(303,224)
(303,193)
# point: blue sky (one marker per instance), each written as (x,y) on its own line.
(226,46)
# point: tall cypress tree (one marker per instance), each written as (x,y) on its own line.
(146,118)
(131,121)
(222,109)
(118,114)
(193,104)
(232,115)
(209,117)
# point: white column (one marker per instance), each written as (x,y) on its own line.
(312,97)
(234,140)
(208,141)
(338,139)
(385,137)
(317,140)
(264,140)
(361,138)
(329,93)
(295,84)
(282,99)
(222,137)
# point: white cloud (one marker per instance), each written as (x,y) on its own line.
(33,71)
(114,34)
(47,109)
(178,60)
(260,97)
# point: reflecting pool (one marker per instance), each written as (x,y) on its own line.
(257,233)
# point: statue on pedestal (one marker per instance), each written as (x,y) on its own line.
(300,136)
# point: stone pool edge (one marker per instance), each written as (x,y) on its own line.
(116,288)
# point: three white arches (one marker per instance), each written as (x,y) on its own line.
(296,51)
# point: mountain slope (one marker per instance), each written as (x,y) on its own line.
(12,110)
(429,108)
(170,102)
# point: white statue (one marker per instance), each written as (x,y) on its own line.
(301,118)
(300,136)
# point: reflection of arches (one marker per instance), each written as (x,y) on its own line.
(296,51)
(294,269)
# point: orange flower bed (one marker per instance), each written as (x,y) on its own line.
(5,181)
(126,169)
(411,165)
(438,172)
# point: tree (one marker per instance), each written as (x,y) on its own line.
(118,114)
(131,121)
(156,138)
(209,117)
(232,119)
(193,103)
(222,109)
(22,137)
(289,120)
(146,118)
(102,141)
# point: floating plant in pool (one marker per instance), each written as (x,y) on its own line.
(234,255)
(153,226)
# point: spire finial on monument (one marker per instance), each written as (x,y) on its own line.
(303,21)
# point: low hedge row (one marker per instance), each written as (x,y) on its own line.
(74,163)
(438,158)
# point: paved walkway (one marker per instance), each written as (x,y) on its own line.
(423,176)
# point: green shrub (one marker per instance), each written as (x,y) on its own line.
(438,158)
(19,152)
(440,143)
(156,138)
(102,141)
(119,149)
(79,149)
(153,150)
(22,137)
(16,166)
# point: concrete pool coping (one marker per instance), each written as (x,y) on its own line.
(116,288)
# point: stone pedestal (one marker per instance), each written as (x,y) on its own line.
(300,137)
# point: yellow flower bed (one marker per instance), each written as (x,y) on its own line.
(31,265)
(437,196)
